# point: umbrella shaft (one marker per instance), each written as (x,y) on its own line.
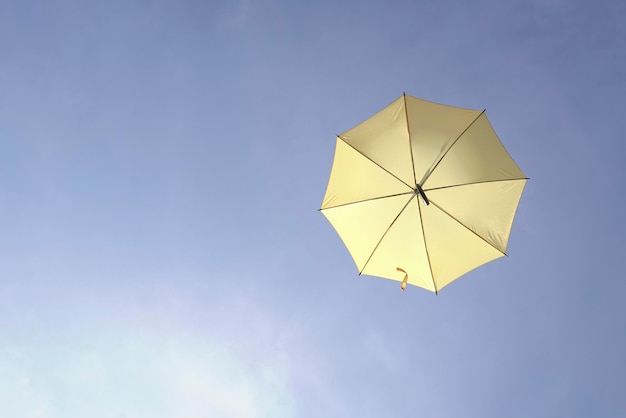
(421,193)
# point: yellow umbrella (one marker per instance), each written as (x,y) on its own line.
(422,193)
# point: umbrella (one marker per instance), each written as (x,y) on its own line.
(423,193)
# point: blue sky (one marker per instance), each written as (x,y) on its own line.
(161,166)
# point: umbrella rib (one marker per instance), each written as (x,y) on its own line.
(429,172)
(374,162)
(430,265)
(383,237)
(475,182)
(469,229)
(366,200)
(408,128)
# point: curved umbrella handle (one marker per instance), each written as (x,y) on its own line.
(406,277)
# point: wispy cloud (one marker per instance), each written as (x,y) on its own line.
(142,369)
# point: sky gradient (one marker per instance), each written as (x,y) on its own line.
(161,167)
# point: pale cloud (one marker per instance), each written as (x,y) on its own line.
(143,370)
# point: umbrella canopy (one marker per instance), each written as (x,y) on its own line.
(422,193)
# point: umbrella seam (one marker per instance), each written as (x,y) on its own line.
(430,172)
(430,265)
(374,162)
(473,183)
(366,200)
(408,131)
(385,234)
(466,227)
